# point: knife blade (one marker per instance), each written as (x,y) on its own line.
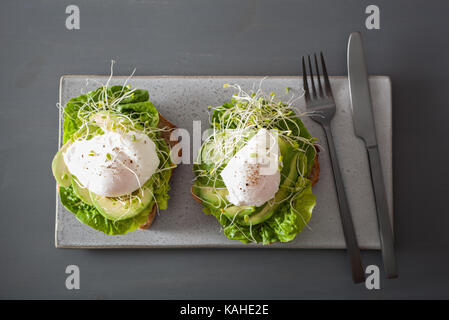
(362,114)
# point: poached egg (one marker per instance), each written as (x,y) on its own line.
(114,163)
(252,175)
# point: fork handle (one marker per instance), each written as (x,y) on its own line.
(358,274)
(385,230)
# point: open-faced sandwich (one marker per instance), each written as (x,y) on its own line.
(256,169)
(114,166)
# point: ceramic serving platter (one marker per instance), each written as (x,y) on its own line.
(183,100)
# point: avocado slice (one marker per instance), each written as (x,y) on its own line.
(216,198)
(59,168)
(211,197)
(113,209)
(83,193)
(238,211)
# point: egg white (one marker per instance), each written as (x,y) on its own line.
(252,175)
(114,163)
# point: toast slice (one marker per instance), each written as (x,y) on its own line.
(163,124)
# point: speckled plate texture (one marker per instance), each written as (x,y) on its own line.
(183,100)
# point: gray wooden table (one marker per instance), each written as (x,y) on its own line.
(208,38)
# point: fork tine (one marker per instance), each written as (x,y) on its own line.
(304,80)
(327,84)
(320,88)
(311,78)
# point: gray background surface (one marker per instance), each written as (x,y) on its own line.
(227,38)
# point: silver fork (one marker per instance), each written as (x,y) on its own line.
(321,103)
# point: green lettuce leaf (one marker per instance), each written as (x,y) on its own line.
(90,216)
(72,123)
(283,226)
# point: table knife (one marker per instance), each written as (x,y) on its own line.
(362,114)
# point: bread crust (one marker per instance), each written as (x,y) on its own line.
(315,172)
(163,124)
(151,216)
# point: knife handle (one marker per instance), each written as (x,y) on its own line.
(358,274)
(383,218)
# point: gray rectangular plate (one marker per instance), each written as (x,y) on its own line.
(185,99)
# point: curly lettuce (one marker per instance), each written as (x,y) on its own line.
(286,219)
(90,216)
(143,113)
(283,226)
